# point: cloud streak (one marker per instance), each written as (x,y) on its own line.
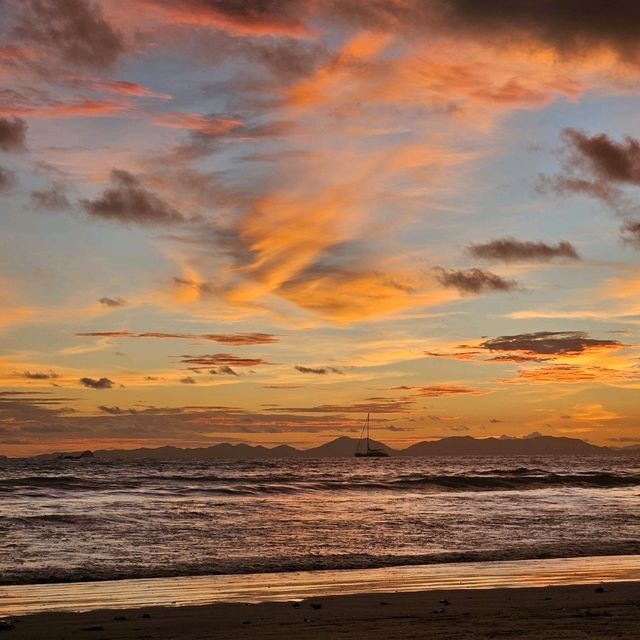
(447,390)
(511,250)
(319,371)
(220,359)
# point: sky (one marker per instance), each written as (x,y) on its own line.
(259,220)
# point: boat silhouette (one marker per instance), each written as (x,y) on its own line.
(369,451)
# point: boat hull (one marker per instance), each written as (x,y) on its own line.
(372,454)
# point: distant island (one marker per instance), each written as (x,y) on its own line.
(536,445)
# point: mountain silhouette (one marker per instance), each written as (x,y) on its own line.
(468,446)
(536,445)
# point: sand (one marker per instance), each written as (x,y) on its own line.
(558,613)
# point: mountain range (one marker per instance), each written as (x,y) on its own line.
(344,446)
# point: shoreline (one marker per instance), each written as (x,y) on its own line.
(567,612)
(79,575)
(288,586)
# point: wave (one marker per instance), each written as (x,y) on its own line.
(255,565)
(495,480)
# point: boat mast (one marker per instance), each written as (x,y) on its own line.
(368,448)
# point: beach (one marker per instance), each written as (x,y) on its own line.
(560,613)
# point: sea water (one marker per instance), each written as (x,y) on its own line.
(94,519)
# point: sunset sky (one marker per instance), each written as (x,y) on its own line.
(258,220)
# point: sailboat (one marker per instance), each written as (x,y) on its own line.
(369,452)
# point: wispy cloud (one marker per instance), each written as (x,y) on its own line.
(235,339)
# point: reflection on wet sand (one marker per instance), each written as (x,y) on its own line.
(278,587)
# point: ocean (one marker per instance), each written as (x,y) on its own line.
(94,519)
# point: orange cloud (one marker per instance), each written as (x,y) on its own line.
(84,107)
(448,390)
(120,87)
(209,126)
(351,296)
(592,412)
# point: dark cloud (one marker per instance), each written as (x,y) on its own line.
(570,26)
(322,371)
(7,179)
(512,250)
(112,302)
(631,232)
(75,29)
(548,343)
(474,280)
(235,339)
(39,375)
(597,166)
(495,421)
(249,17)
(187,380)
(101,383)
(53,199)
(627,439)
(127,201)
(220,360)
(605,158)
(13,134)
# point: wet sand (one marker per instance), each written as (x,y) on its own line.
(560,613)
